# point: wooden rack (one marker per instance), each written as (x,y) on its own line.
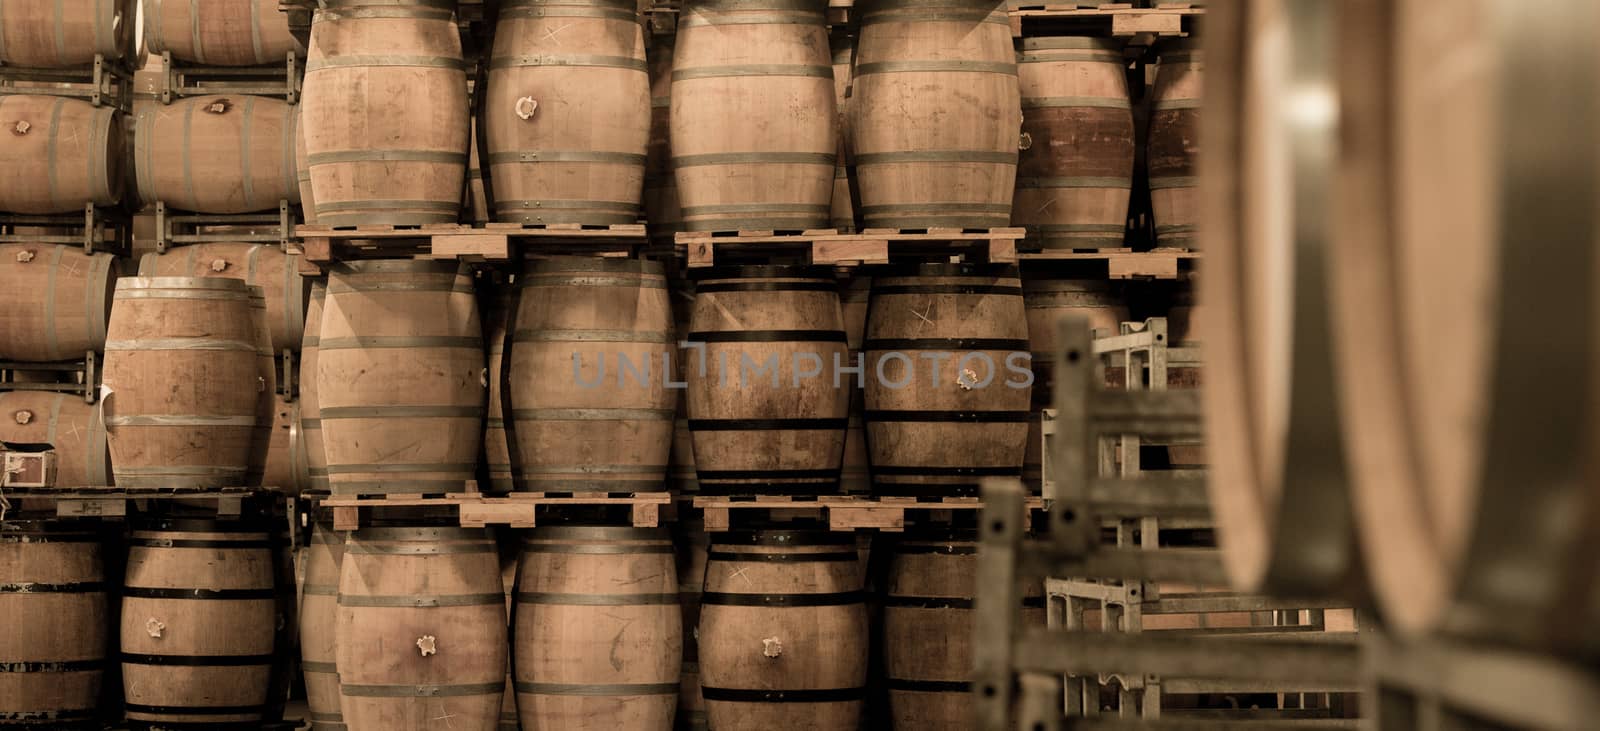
(517,510)
(120,502)
(870,246)
(838,512)
(1154,264)
(323,245)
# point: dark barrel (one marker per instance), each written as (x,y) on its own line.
(53,599)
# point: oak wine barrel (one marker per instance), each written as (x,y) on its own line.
(53,34)
(1075,171)
(54,301)
(938,435)
(199,617)
(263,265)
(217,154)
(60,154)
(319,613)
(385,114)
(53,596)
(783,630)
(760,424)
(68,425)
(399,355)
(753,115)
(1174,143)
(182,382)
(598,629)
(497,306)
(662,211)
(220,32)
(310,402)
(422,629)
(935,114)
(588,402)
(568,126)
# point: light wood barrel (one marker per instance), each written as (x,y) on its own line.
(496,449)
(939,436)
(71,427)
(183,381)
(843,206)
(662,212)
(1049,300)
(199,617)
(935,114)
(54,301)
(302,169)
(550,159)
(761,424)
(217,154)
(1174,145)
(399,154)
(1075,171)
(220,32)
(692,543)
(53,596)
(753,115)
(319,613)
(286,466)
(263,265)
(52,34)
(928,629)
(589,406)
(61,154)
(400,355)
(783,631)
(421,630)
(310,402)
(599,631)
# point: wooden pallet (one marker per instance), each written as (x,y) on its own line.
(322,245)
(1154,264)
(840,512)
(115,502)
(517,510)
(830,247)
(1111,19)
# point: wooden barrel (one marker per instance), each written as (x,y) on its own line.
(753,115)
(1049,300)
(54,301)
(928,629)
(692,543)
(310,403)
(286,467)
(319,613)
(400,354)
(1075,171)
(935,114)
(496,449)
(302,169)
(53,596)
(68,425)
(220,32)
(199,617)
(49,34)
(662,213)
(843,206)
(217,154)
(549,159)
(783,630)
(61,154)
(399,154)
(762,421)
(263,265)
(181,382)
(599,631)
(1174,145)
(589,406)
(421,630)
(934,435)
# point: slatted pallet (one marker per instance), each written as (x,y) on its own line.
(120,502)
(1154,264)
(517,510)
(662,16)
(1113,19)
(832,248)
(839,512)
(322,245)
